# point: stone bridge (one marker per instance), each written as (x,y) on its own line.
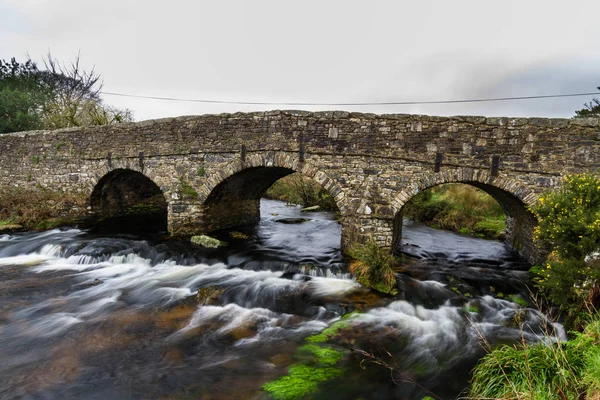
(209,172)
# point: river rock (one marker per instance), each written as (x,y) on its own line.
(292,220)
(207,241)
(208,295)
(311,208)
(239,235)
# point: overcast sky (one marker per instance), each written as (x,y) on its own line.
(327,51)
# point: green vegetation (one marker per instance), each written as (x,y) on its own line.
(567,370)
(316,364)
(332,330)
(301,381)
(187,191)
(298,189)
(372,266)
(459,208)
(40,208)
(54,97)
(569,229)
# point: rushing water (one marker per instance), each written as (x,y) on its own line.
(104,317)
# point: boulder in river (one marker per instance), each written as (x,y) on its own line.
(292,220)
(207,241)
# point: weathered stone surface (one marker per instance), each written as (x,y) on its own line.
(213,169)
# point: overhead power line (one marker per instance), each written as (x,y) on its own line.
(379,103)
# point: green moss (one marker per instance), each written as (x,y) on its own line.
(472,308)
(35,159)
(301,381)
(326,356)
(333,330)
(517,298)
(201,171)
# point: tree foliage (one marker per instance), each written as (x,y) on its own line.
(23,93)
(592,109)
(58,96)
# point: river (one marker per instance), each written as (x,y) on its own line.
(90,316)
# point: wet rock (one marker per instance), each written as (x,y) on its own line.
(208,295)
(238,235)
(207,241)
(311,208)
(292,220)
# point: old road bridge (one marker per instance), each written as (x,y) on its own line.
(208,172)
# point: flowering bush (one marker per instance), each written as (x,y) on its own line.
(569,228)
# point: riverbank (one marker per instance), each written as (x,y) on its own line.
(39,209)
(298,189)
(459,208)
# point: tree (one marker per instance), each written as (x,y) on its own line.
(592,109)
(58,96)
(23,94)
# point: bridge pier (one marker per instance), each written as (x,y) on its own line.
(364,228)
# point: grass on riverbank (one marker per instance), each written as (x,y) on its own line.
(298,189)
(542,371)
(39,208)
(459,208)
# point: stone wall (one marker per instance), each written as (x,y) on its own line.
(372,164)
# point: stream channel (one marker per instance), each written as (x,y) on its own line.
(90,316)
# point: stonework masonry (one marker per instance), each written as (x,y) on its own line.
(212,169)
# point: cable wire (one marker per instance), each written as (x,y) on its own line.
(381,103)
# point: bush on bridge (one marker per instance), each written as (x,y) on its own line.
(569,229)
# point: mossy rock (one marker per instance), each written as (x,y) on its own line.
(207,241)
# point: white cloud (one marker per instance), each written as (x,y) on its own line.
(333,51)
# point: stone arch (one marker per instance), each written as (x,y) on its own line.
(242,183)
(275,159)
(512,196)
(129,200)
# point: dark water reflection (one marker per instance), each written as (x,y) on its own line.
(97,317)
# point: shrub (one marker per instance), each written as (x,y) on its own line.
(569,228)
(373,267)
